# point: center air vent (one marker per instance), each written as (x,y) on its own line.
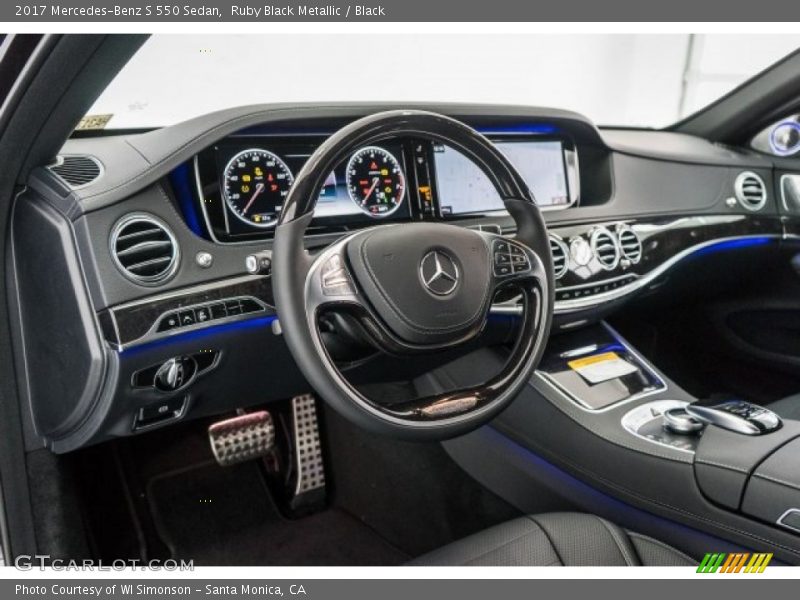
(77,171)
(630,244)
(605,248)
(559,251)
(144,249)
(751,192)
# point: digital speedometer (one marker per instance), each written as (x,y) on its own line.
(255,185)
(375,181)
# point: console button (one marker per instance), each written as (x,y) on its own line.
(168,322)
(160,411)
(202,314)
(218,311)
(233,307)
(186,318)
(249,305)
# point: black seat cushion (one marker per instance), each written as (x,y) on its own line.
(788,408)
(570,539)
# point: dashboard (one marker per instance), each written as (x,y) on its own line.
(243,181)
(162,242)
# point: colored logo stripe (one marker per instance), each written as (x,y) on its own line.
(734,563)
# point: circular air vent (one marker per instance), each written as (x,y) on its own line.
(629,243)
(144,249)
(605,248)
(560,254)
(751,192)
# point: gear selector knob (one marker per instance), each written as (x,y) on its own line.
(737,415)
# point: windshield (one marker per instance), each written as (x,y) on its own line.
(616,80)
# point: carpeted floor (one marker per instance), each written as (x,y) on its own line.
(225,516)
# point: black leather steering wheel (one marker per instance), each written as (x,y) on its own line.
(415,287)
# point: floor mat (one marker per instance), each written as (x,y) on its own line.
(225,516)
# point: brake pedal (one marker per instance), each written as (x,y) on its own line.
(309,488)
(242,438)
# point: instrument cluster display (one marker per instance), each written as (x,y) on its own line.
(244,181)
(255,180)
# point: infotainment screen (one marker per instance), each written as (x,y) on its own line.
(463,188)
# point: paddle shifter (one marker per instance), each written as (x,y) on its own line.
(737,415)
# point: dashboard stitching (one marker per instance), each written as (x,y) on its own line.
(416,326)
(722,465)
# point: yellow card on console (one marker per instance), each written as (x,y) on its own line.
(602,367)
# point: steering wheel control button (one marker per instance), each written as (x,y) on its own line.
(439,273)
(509,259)
(335,281)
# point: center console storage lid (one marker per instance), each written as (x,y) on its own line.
(773,491)
(724,460)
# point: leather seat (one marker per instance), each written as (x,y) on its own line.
(788,408)
(556,539)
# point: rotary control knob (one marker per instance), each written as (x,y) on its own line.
(677,420)
(175,373)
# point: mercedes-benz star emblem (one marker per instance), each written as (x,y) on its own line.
(439,273)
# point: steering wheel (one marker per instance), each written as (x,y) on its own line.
(414,287)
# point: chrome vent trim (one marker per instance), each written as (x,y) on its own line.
(629,244)
(605,248)
(560,254)
(750,190)
(77,170)
(144,249)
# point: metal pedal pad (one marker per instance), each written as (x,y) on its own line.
(242,438)
(310,471)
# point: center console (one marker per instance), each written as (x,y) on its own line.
(598,413)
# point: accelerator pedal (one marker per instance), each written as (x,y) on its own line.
(309,484)
(242,438)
